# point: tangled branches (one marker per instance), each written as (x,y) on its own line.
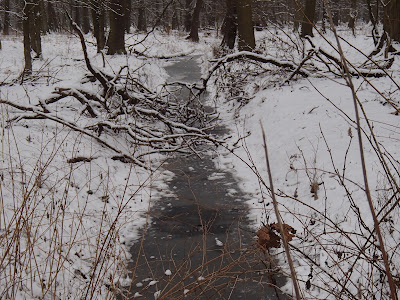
(123,106)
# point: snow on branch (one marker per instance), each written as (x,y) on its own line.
(128,112)
(253,57)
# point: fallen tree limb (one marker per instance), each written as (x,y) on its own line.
(53,117)
(252,57)
(353,70)
(96,73)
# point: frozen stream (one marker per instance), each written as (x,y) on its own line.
(198,245)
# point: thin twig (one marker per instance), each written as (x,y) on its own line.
(278,217)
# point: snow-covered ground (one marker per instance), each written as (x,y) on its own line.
(315,163)
(68,211)
(65,227)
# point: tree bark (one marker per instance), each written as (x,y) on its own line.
(194,29)
(51,17)
(188,16)
(297,16)
(27,11)
(392,19)
(34,21)
(142,22)
(85,18)
(43,17)
(229,27)
(245,26)
(98,24)
(6,23)
(175,20)
(353,16)
(127,13)
(77,11)
(116,37)
(308,19)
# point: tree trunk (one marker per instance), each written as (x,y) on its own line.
(297,17)
(27,12)
(51,17)
(6,24)
(116,37)
(188,16)
(229,27)
(373,19)
(392,19)
(77,11)
(85,18)
(324,18)
(175,20)
(245,26)
(43,17)
(35,28)
(353,16)
(308,19)
(127,12)
(142,22)
(194,29)
(98,24)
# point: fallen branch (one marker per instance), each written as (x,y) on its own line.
(252,57)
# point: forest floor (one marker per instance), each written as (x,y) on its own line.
(66,226)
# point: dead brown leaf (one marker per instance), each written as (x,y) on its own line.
(267,238)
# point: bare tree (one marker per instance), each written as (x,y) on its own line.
(6,23)
(52,20)
(85,17)
(188,15)
(116,37)
(27,12)
(229,27)
(308,19)
(392,19)
(245,26)
(142,21)
(98,18)
(194,29)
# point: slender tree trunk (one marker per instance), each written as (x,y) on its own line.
(116,37)
(52,18)
(35,28)
(127,12)
(142,22)
(229,27)
(6,24)
(353,16)
(43,17)
(297,17)
(175,20)
(392,19)
(194,29)
(27,12)
(85,18)
(98,23)
(374,23)
(308,20)
(324,17)
(77,11)
(245,26)
(188,16)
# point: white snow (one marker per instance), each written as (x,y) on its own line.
(153,282)
(168,272)
(218,242)
(73,208)
(313,140)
